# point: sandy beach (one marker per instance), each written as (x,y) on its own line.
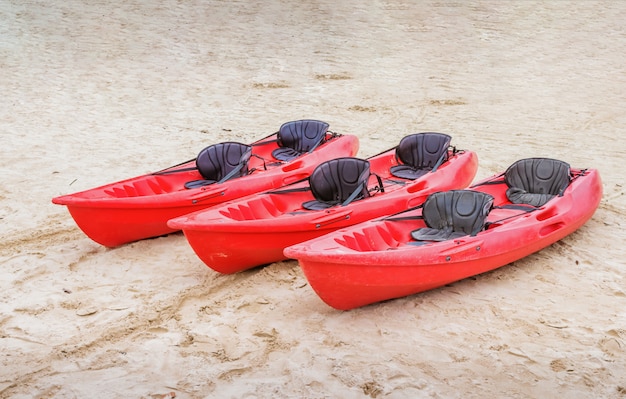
(94,92)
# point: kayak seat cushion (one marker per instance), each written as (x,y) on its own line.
(338,181)
(535,181)
(221,162)
(298,137)
(420,153)
(453,214)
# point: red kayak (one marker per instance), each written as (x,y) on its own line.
(140,207)
(454,235)
(254,231)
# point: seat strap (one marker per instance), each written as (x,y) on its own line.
(439,161)
(233,172)
(524,209)
(400,182)
(262,159)
(519,207)
(493,180)
(381,186)
(317,144)
(292,190)
(396,218)
(354,194)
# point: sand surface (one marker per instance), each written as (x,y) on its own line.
(92,92)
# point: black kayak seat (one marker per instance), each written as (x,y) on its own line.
(298,137)
(338,181)
(220,162)
(535,181)
(420,153)
(453,214)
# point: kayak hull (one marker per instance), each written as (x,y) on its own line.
(254,231)
(377,260)
(139,208)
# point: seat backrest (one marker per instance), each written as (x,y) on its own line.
(461,211)
(297,137)
(419,153)
(333,182)
(218,160)
(423,150)
(535,181)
